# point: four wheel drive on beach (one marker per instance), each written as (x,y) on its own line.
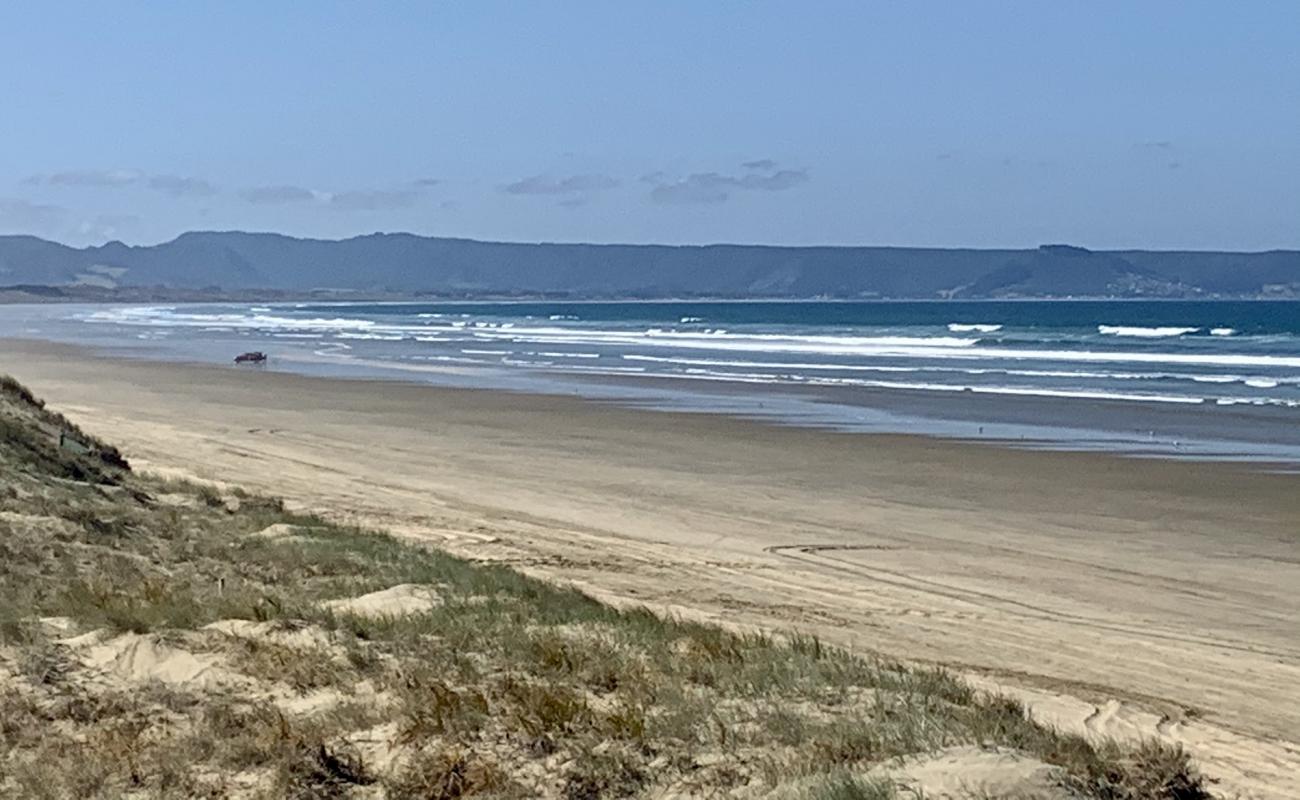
(253,357)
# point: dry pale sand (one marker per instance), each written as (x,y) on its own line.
(1120,597)
(395,601)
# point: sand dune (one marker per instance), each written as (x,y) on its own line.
(1120,598)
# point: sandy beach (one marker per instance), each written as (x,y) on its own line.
(1121,597)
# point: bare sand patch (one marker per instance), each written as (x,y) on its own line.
(279,530)
(962,773)
(396,601)
(141,658)
(298,635)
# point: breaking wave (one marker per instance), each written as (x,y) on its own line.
(1145,333)
(973,327)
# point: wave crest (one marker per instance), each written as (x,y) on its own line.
(1146,333)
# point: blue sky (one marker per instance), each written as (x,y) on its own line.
(983,124)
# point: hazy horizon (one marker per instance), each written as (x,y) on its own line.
(1161,126)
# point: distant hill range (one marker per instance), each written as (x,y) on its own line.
(405,264)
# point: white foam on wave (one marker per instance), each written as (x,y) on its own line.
(1024,391)
(1222,331)
(376,337)
(1095,357)
(721,370)
(691,319)
(973,327)
(716,362)
(170,317)
(446,359)
(1257,401)
(568,355)
(1145,333)
(1026,373)
(931,348)
(721,339)
(736,377)
(913,385)
(936,348)
(600,370)
(167,316)
(832,367)
(1088,395)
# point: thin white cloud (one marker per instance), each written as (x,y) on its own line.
(702,188)
(173,185)
(709,188)
(182,186)
(350,200)
(277,195)
(101,178)
(373,200)
(573,184)
(776,182)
